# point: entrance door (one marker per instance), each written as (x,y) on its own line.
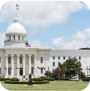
(21,71)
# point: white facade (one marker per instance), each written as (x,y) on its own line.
(13,55)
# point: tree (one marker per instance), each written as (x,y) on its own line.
(47,73)
(74,64)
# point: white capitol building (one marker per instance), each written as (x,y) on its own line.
(13,55)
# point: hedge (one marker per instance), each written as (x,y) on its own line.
(41,79)
(11,79)
(19,82)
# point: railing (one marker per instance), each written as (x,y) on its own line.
(13,40)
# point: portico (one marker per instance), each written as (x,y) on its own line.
(20,64)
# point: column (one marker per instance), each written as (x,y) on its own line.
(23,65)
(56,61)
(20,37)
(6,75)
(35,65)
(50,65)
(12,65)
(29,64)
(18,65)
(11,37)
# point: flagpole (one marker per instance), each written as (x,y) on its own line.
(16,11)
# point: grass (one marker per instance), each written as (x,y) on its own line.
(53,85)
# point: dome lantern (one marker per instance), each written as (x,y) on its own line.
(16,20)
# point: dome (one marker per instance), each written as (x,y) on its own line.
(16,27)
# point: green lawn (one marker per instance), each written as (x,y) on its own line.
(53,85)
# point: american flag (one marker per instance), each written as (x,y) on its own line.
(11,68)
(71,68)
(28,45)
(17,6)
(81,68)
(26,50)
(16,67)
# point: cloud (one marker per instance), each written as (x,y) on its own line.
(80,36)
(41,13)
(79,40)
(2,38)
(35,43)
(87,32)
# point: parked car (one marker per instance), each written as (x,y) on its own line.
(15,77)
(42,77)
(87,79)
(74,79)
(56,78)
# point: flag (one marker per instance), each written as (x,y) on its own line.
(27,44)
(11,68)
(48,68)
(38,67)
(43,68)
(81,68)
(17,6)
(65,68)
(5,67)
(59,69)
(76,68)
(32,67)
(87,68)
(71,68)
(16,67)
(26,50)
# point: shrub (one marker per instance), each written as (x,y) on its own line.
(41,79)
(21,82)
(14,79)
(7,78)
(2,79)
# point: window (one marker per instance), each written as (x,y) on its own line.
(79,58)
(0,59)
(9,60)
(32,70)
(31,60)
(53,63)
(9,38)
(22,38)
(20,60)
(53,57)
(41,70)
(9,71)
(58,57)
(41,59)
(63,57)
(58,63)
(0,70)
(18,37)
(14,37)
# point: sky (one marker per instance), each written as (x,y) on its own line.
(54,24)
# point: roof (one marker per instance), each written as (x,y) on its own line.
(16,27)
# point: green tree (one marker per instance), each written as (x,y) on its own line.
(74,64)
(47,73)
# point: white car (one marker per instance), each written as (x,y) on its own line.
(74,79)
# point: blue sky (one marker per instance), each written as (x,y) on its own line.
(60,25)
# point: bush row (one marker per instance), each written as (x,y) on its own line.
(11,79)
(33,79)
(19,82)
(41,79)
